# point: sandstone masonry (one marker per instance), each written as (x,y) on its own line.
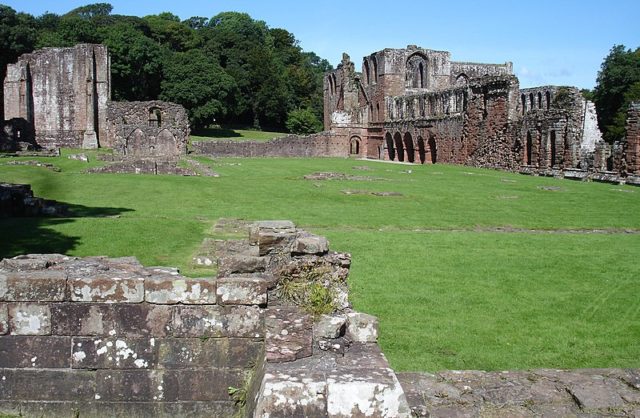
(60,97)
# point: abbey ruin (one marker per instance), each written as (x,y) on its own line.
(416,105)
(61,97)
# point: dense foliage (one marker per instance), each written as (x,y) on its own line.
(226,69)
(617,86)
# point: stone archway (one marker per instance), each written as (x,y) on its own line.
(354,148)
(433,150)
(397,138)
(391,151)
(408,146)
(421,150)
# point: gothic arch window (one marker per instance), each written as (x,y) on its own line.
(548,99)
(531,101)
(524,104)
(374,68)
(155,117)
(390,148)
(365,71)
(416,72)
(539,100)
(462,79)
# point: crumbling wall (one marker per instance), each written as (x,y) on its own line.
(147,129)
(633,140)
(17,200)
(323,144)
(62,93)
(17,134)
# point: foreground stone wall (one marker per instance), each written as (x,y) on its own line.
(147,129)
(633,140)
(62,93)
(109,337)
(324,144)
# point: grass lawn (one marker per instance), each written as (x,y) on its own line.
(235,134)
(466,268)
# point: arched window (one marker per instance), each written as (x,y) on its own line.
(355,146)
(155,117)
(552,140)
(531,101)
(539,100)
(528,149)
(374,68)
(408,146)
(397,138)
(548,99)
(416,71)
(524,104)
(365,71)
(462,80)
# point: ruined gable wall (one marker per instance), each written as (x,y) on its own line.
(474,70)
(147,129)
(63,92)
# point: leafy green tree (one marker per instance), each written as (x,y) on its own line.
(617,86)
(169,31)
(200,85)
(136,62)
(303,121)
(18,35)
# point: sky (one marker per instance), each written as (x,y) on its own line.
(549,42)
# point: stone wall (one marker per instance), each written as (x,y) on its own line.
(147,129)
(17,200)
(323,144)
(62,93)
(101,336)
(633,140)
(17,134)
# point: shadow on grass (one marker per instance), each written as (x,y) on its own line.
(34,234)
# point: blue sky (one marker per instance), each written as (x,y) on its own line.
(558,42)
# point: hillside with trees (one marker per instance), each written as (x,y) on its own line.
(227,69)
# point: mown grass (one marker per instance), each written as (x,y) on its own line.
(450,290)
(235,134)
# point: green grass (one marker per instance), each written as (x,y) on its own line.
(235,134)
(451,291)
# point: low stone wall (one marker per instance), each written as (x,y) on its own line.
(17,200)
(101,336)
(323,144)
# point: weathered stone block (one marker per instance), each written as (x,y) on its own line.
(291,395)
(289,335)
(329,326)
(244,353)
(24,263)
(362,327)
(114,353)
(34,352)
(240,264)
(107,289)
(35,286)
(366,393)
(4,319)
(310,244)
(131,386)
(143,320)
(270,235)
(29,319)
(202,385)
(82,319)
(180,353)
(242,291)
(218,321)
(171,290)
(44,385)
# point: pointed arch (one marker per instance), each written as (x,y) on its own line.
(397,138)
(391,151)
(408,146)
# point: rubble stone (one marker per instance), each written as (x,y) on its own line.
(242,291)
(362,327)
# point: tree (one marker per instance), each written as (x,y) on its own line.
(303,121)
(199,84)
(136,62)
(617,86)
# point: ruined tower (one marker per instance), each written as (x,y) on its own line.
(62,94)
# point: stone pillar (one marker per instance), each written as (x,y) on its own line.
(90,139)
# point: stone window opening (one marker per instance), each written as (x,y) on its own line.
(548,99)
(365,70)
(433,150)
(524,104)
(531,100)
(155,117)
(421,150)
(374,67)
(378,112)
(539,100)
(552,140)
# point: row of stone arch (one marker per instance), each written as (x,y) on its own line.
(529,102)
(403,148)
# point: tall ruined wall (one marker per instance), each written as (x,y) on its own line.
(147,129)
(62,93)
(633,140)
(461,72)
(552,127)
(462,125)
(323,144)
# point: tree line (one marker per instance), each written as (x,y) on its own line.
(228,69)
